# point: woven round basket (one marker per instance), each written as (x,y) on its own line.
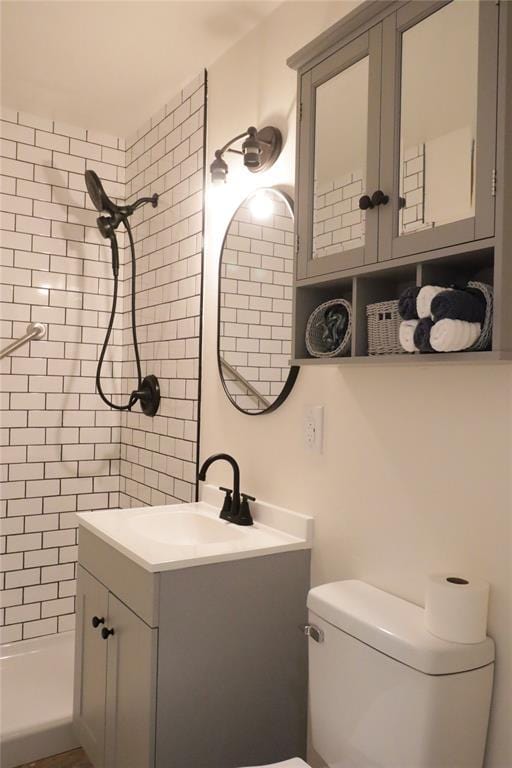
(315,344)
(484,341)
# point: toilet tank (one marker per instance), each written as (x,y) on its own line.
(384,693)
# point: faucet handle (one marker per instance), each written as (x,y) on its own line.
(225,512)
(244,517)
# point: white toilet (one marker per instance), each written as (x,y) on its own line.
(384,693)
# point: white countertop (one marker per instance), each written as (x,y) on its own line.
(164,538)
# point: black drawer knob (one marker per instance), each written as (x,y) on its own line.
(96,621)
(379,198)
(106,632)
(365,202)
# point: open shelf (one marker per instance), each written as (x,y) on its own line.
(427,359)
(309,297)
(386,281)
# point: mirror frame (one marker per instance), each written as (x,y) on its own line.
(294,369)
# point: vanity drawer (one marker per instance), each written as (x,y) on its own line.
(137,588)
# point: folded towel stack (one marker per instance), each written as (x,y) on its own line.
(440,319)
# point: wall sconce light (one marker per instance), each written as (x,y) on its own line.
(260,150)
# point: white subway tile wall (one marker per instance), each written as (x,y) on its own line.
(61,446)
(256,303)
(158,456)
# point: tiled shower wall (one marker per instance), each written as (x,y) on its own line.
(158,456)
(61,446)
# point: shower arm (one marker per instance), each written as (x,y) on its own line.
(127,210)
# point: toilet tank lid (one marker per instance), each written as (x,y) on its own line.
(395,627)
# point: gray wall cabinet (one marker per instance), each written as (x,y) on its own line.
(207,666)
(403,175)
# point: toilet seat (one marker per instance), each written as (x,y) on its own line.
(295,762)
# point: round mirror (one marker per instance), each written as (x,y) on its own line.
(255,303)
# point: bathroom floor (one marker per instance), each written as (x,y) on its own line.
(74,759)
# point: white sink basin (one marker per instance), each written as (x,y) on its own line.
(183,529)
(184,535)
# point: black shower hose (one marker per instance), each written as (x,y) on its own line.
(115,268)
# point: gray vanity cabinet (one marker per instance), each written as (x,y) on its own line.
(206,667)
(131,686)
(115,702)
(91,650)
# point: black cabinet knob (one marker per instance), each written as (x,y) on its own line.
(106,632)
(365,202)
(379,198)
(96,621)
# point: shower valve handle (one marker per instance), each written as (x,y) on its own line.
(96,621)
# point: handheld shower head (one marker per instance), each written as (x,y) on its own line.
(148,391)
(98,195)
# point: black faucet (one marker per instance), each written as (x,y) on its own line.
(232,510)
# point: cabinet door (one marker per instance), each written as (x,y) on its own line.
(90,667)
(438,144)
(131,689)
(338,159)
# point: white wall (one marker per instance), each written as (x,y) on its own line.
(415,473)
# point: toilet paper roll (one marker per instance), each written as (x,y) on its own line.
(456,608)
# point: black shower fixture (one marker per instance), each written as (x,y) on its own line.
(260,150)
(148,389)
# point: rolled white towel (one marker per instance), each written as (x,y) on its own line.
(454,335)
(406,335)
(424,299)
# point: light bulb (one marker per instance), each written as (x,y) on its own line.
(261,205)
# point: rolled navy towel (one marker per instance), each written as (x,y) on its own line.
(407,303)
(454,335)
(469,305)
(422,335)
(424,299)
(406,335)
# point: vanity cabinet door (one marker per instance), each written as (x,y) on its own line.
(131,689)
(338,159)
(90,667)
(438,142)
